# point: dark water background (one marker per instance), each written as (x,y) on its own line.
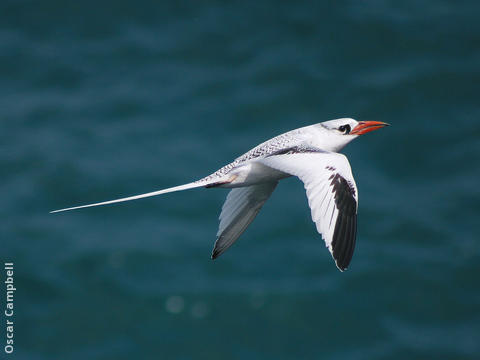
(112,98)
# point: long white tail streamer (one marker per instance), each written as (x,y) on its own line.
(135,197)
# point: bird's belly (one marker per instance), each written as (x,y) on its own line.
(253,173)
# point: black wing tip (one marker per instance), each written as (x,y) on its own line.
(345,233)
(342,266)
(344,245)
(343,254)
(217,251)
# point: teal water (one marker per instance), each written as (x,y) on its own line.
(106,99)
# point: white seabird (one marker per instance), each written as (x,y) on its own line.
(311,154)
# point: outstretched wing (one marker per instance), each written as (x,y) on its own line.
(332,197)
(238,211)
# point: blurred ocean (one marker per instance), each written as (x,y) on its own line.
(100,100)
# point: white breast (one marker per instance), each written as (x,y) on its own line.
(253,173)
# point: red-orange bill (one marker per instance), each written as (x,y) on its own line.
(364,127)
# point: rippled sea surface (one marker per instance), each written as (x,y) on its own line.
(100,100)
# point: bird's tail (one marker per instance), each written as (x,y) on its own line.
(135,197)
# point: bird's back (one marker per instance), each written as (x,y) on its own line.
(274,145)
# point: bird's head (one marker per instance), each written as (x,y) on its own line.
(339,132)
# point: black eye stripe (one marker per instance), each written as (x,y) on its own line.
(344,129)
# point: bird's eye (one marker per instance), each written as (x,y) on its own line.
(344,129)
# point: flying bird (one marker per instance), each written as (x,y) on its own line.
(309,153)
